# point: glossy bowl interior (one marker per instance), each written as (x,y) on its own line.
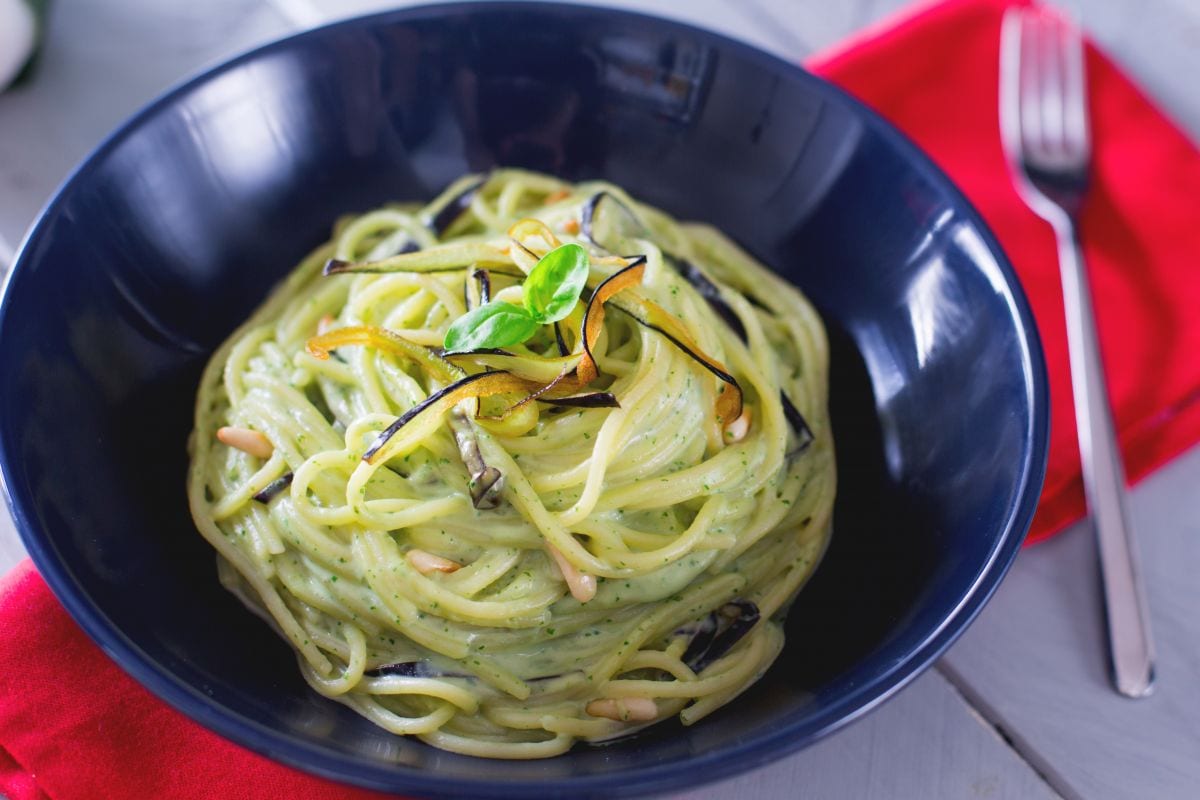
(174,229)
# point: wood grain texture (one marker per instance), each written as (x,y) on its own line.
(101,61)
(1035,660)
(926,743)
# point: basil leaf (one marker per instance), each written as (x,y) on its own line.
(494,324)
(554,285)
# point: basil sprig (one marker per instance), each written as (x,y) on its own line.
(495,324)
(550,292)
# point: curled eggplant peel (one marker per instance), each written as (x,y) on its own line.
(645,312)
(799,424)
(440,222)
(575,371)
(712,295)
(268,492)
(485,384)
(710,292)
(560,385)
(563,350)
(422,669)
(694,276)
(719,632)
(568,382)
(530,228)
(486,482)
(444,258)
(592,400)
(382,339)
(593,314)
(482,283)
(707,289)
(485,285)
(524,233)
(412,669)
(587,216)
(656,318)
(547,379)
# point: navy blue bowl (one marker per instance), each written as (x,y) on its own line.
(176,227)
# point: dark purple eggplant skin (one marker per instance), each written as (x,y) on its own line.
(273,488)
(709,291)
(481,486)
(588,212)
(490,351)
(485,285)
(335,266)
(407,416)
(747,617)
(720,632)
(712,637)
(637,262)
(445,217)
(702,637)
(558,338)
(421,669)
(712,295)
(708,365)
(404,669)
(799,424)
(412,669)
(687,270)
(485,288)
(593,400)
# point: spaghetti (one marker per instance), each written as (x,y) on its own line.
(506,550)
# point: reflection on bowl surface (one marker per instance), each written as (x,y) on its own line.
(173,231)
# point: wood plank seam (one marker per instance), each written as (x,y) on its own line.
(990,718)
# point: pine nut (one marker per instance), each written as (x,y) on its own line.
(583,587)
(246,440)
(625,709)
(426,563)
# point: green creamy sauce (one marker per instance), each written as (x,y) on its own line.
(696,534)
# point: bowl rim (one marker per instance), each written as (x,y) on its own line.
(704,767)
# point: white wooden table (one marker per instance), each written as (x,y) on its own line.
(1020,706)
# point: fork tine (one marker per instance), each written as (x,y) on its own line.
(1010,83)
(1076,134)
(1029,82)
(1049,45)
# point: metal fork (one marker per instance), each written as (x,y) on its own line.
(1045,129)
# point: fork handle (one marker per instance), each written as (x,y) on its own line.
(1130,645)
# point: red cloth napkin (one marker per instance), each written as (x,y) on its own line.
(74,727)
(934,74)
